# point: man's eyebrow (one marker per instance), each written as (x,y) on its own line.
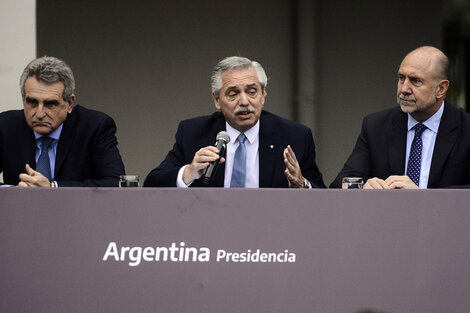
(33,100)
(411,75)
(232,88)
(53,101)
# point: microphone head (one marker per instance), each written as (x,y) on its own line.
(223,135)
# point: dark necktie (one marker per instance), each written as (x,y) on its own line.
(44,165)
(413,169)
(239,164)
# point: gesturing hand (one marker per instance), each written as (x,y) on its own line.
(293,172)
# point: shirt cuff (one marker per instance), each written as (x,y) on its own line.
(179,179)
(307,184)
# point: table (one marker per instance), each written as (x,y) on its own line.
(162,250)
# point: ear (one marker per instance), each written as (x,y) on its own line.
(442,88)
(71,103)
(216,101)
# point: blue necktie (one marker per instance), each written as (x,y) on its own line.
(44,165)
(413,169)
(239,164)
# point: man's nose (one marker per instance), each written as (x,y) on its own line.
(40,111)
(244,99)
(405,87)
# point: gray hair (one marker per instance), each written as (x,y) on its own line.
(234,62)
(443,67)
(49,70)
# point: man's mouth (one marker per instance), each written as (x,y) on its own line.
(244,114)
(41,124)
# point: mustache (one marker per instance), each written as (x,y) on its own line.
(249,109)
(405,97)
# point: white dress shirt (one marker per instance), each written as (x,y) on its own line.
(252,155)
(429,139)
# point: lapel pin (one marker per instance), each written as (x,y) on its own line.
(271,146)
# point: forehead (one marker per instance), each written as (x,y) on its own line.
(417,64)
(37,89)
(239,77)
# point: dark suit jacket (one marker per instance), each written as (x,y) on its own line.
(87,153)
(380,150)
(274,135)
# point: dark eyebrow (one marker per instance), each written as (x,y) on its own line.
(51,102)
(252,85)
(31,100)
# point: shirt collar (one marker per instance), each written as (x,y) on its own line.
(54,135)
(251,134)
(431,123)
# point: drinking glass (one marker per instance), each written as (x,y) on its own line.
(129,181)
(353,183)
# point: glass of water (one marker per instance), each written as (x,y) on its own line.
(129,181)
(353,183)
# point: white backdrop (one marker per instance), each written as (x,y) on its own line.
(17,47)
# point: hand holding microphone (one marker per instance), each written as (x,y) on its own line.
(222,140)
(206,160)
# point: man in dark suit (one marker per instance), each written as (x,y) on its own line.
(51,142)
(424,143)
(276,152)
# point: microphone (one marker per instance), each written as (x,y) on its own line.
(222,140)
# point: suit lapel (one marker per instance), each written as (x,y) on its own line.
(397,143)
(28,146)
(445,140)
(218,179)
(268,149)
(66,140)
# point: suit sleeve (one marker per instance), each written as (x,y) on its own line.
(308,165)
(106,162)
(358,163)
(166,173)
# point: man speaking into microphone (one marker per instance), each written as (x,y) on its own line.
(263,150)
